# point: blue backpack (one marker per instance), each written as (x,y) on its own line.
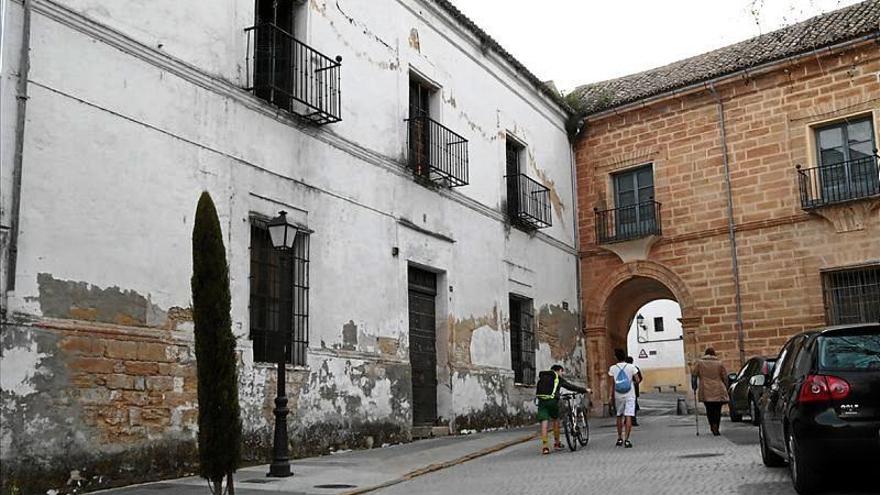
(622,383)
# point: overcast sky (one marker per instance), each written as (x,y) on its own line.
(574,42)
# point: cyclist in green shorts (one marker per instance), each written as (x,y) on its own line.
(547,393)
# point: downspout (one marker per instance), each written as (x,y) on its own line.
(21,98)
(731,227)
(577,247)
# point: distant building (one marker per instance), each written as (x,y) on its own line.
(657,347)
(743,184)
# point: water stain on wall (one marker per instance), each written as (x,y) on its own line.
(83,301)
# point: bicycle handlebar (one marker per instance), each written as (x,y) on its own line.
(570,395)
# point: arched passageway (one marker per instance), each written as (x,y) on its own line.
(615,303)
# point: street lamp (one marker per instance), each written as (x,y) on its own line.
(640,322)
(282,233)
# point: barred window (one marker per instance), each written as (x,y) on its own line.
(852,295)
(266,296)
(522,340)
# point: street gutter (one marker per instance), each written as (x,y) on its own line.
(443,465)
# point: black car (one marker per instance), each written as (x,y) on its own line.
(820,408)
(743,396)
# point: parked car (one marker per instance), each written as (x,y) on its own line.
(820,408)
(743,396)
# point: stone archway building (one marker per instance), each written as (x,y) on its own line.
(713,182)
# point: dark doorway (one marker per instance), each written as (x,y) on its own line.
(422,344)
(420,126)
(273,52)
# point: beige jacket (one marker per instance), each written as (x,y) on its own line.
(713,379)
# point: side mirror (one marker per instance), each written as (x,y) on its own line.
(731,378)
(758,380)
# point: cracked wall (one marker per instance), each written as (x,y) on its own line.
(97,343)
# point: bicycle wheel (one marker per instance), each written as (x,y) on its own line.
(583,427)
(570,433)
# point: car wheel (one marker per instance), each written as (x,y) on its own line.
(770,458)
(735,417)
(754,413)
(803,475)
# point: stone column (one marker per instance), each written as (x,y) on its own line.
(690,328)
(598,361)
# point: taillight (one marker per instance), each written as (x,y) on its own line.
(823,388)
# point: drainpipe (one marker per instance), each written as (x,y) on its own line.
(731,230)
(21,98)
(577,245)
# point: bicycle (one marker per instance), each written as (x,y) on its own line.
(574,422)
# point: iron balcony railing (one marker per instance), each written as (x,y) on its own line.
(839,182)
(292,75)
(528,202)
(628,222)
(436,153)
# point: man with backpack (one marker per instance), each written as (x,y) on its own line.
(630,360)
(622,390)
(547,393)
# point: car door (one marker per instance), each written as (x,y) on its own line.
(739,389)
(777,388)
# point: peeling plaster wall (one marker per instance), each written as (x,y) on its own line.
(97,341)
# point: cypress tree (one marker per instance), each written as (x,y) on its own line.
(219,417)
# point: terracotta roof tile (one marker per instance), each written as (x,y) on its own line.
(818,32)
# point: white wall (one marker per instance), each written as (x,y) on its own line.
(659,355)
(136,107)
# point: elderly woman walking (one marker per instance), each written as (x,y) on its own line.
(709,378)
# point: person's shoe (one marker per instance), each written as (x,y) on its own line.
(627,444)
(635,423)
(619,442)
(545,451)
(558,446)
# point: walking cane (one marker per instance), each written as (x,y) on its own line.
(696,409)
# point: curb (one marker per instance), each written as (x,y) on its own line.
(443,465)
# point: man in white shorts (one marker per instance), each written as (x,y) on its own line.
(622,389)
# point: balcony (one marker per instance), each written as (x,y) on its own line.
(528,202)
(839,182)
(436,153)
(292,75)
(628,222)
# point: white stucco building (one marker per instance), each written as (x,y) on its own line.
(430,173)
(657,346)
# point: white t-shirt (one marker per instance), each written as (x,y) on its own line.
(631,371)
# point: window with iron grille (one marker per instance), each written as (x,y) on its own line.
(267,296)
(658,324)
(522,340)
(852,295)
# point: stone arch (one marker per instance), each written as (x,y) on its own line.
(614,304)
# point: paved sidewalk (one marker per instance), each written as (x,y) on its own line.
(351,472)
(668,459)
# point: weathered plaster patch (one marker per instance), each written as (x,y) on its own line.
(489,347)
(83,301)
(18,368)
(559,328)
(462,332)
(414,40)
(483,399)
(555,198)
(349,336)
(558,332)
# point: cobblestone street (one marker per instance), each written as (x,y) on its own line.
(667,458)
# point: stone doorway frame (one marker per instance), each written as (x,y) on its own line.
(603,330)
